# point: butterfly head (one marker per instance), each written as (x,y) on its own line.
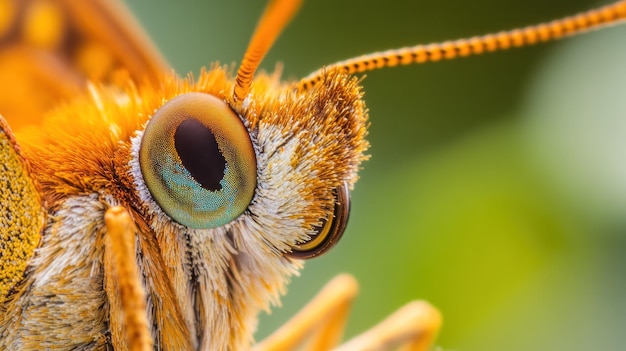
(229,179)
(283,162)
(263,186)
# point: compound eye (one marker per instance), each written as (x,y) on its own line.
(331,230)
(198,162)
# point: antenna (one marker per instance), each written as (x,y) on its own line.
(557,29)
(275,18)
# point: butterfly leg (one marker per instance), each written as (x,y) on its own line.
(413,327)
(320,322)
(123,284)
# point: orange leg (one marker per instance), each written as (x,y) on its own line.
(413,327)
(123,285)
(319,325)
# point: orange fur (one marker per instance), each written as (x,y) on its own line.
(84,148)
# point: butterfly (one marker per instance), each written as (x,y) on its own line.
(145,241)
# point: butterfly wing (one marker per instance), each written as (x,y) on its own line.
(50,49)
(21,212)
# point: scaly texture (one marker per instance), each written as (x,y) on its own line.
(21,213)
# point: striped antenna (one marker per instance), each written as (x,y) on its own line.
(276,16)
(448,50)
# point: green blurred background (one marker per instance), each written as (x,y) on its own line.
(497,184)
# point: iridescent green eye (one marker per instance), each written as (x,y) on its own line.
(331,230)
(198,162)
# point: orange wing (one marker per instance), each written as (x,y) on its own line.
(49,49)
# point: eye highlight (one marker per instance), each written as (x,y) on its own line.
(331,230)
(198,162)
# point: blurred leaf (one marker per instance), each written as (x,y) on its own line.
(577,124)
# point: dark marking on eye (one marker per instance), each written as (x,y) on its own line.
(199,153)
